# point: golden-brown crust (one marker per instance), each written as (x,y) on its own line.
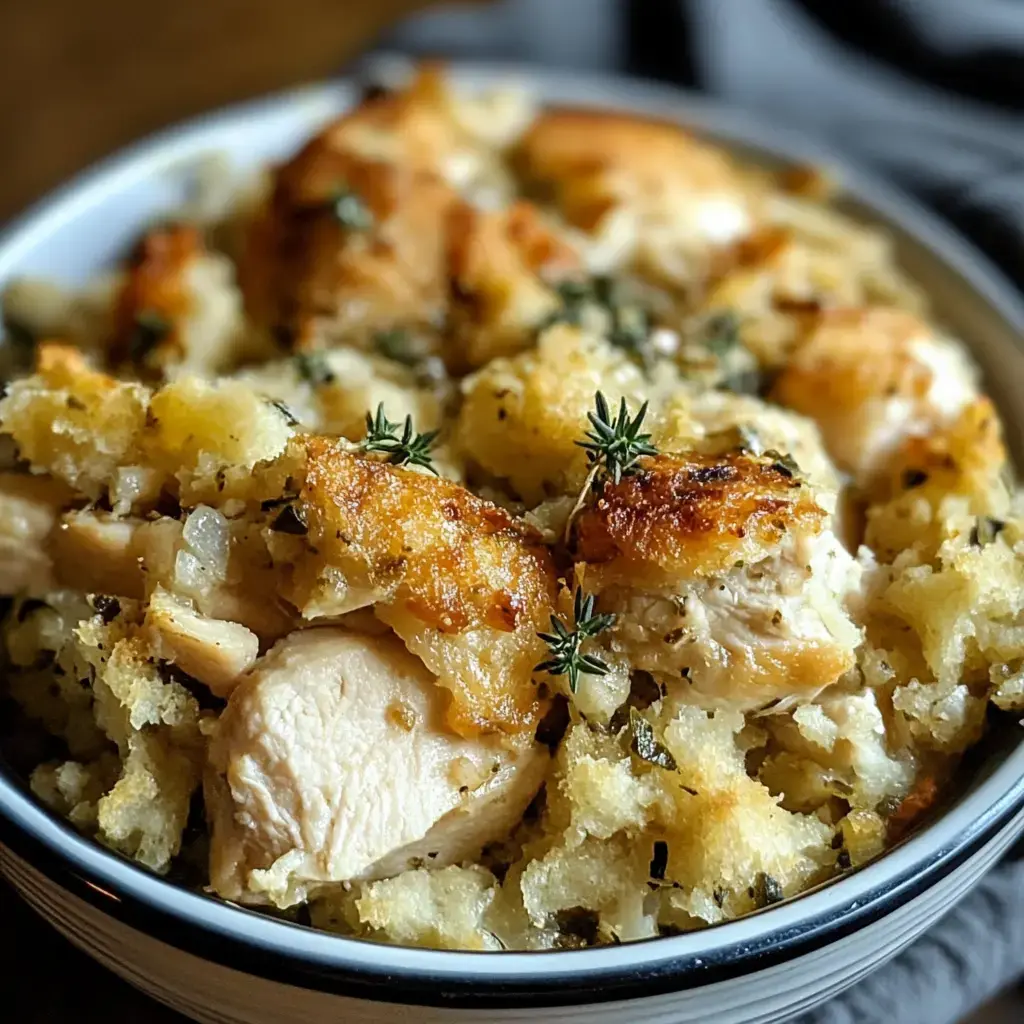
(155,287)
(692,515)
(500,264)
(452,562)
(300,264)
(589,157)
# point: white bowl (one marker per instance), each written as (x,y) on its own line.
(218,962)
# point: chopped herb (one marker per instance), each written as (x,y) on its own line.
(721,332)
(149,329)
(766,890)
(564,644)
(350,210)
(914,478)
(271,503)
(659,861)
(394,344)
(579,923)
(783,463)
(290,418)
(645,746)
(312,367)
(985,531)
(291,519)
(574,296)
(614,446)
(410,449)
(107,607)
(843,861)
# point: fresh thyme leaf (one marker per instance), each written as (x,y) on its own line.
(564,644)
(394,344)
(291,519)
(351,211)
(313,367)
(615,445)
(410,448)
(149,329)
(985,531)
(783,463)
(290,418)
(644,744)
(721,333)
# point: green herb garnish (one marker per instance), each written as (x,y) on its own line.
(290,418)
(615,445)
(292,520)
(645,746)
(351,211)
(766,890)
(721,332)
(410,449)
(564,644)
(313,367)
(394,344)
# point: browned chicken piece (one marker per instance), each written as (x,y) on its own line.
(503,264)
(347,246)
(871,378)
(724,576)
(290,817)
(463,583)
(29,508)
(681,198)
(178,306)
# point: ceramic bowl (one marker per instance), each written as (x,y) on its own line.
(217,962)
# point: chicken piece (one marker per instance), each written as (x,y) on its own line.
(178,307)
(29,508)
(871,378)
(721,570)
(502,265)
(463,583)
(653,191)
(347,246)
(215,652)
(292,816)
(94,552)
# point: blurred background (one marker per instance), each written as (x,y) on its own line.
(929,92)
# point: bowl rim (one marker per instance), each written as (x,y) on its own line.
(438,977)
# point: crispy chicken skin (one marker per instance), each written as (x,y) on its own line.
(723,572)
(303,269)
(463,583)
(692,515)
(333,762)
(870,378)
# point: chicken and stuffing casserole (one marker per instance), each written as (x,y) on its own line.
(500,528)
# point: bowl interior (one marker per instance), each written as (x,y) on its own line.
(91,223)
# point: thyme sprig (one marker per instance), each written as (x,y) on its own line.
(614,445)
(564,644)
(409,449)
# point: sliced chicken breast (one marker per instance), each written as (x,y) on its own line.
(332,763)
